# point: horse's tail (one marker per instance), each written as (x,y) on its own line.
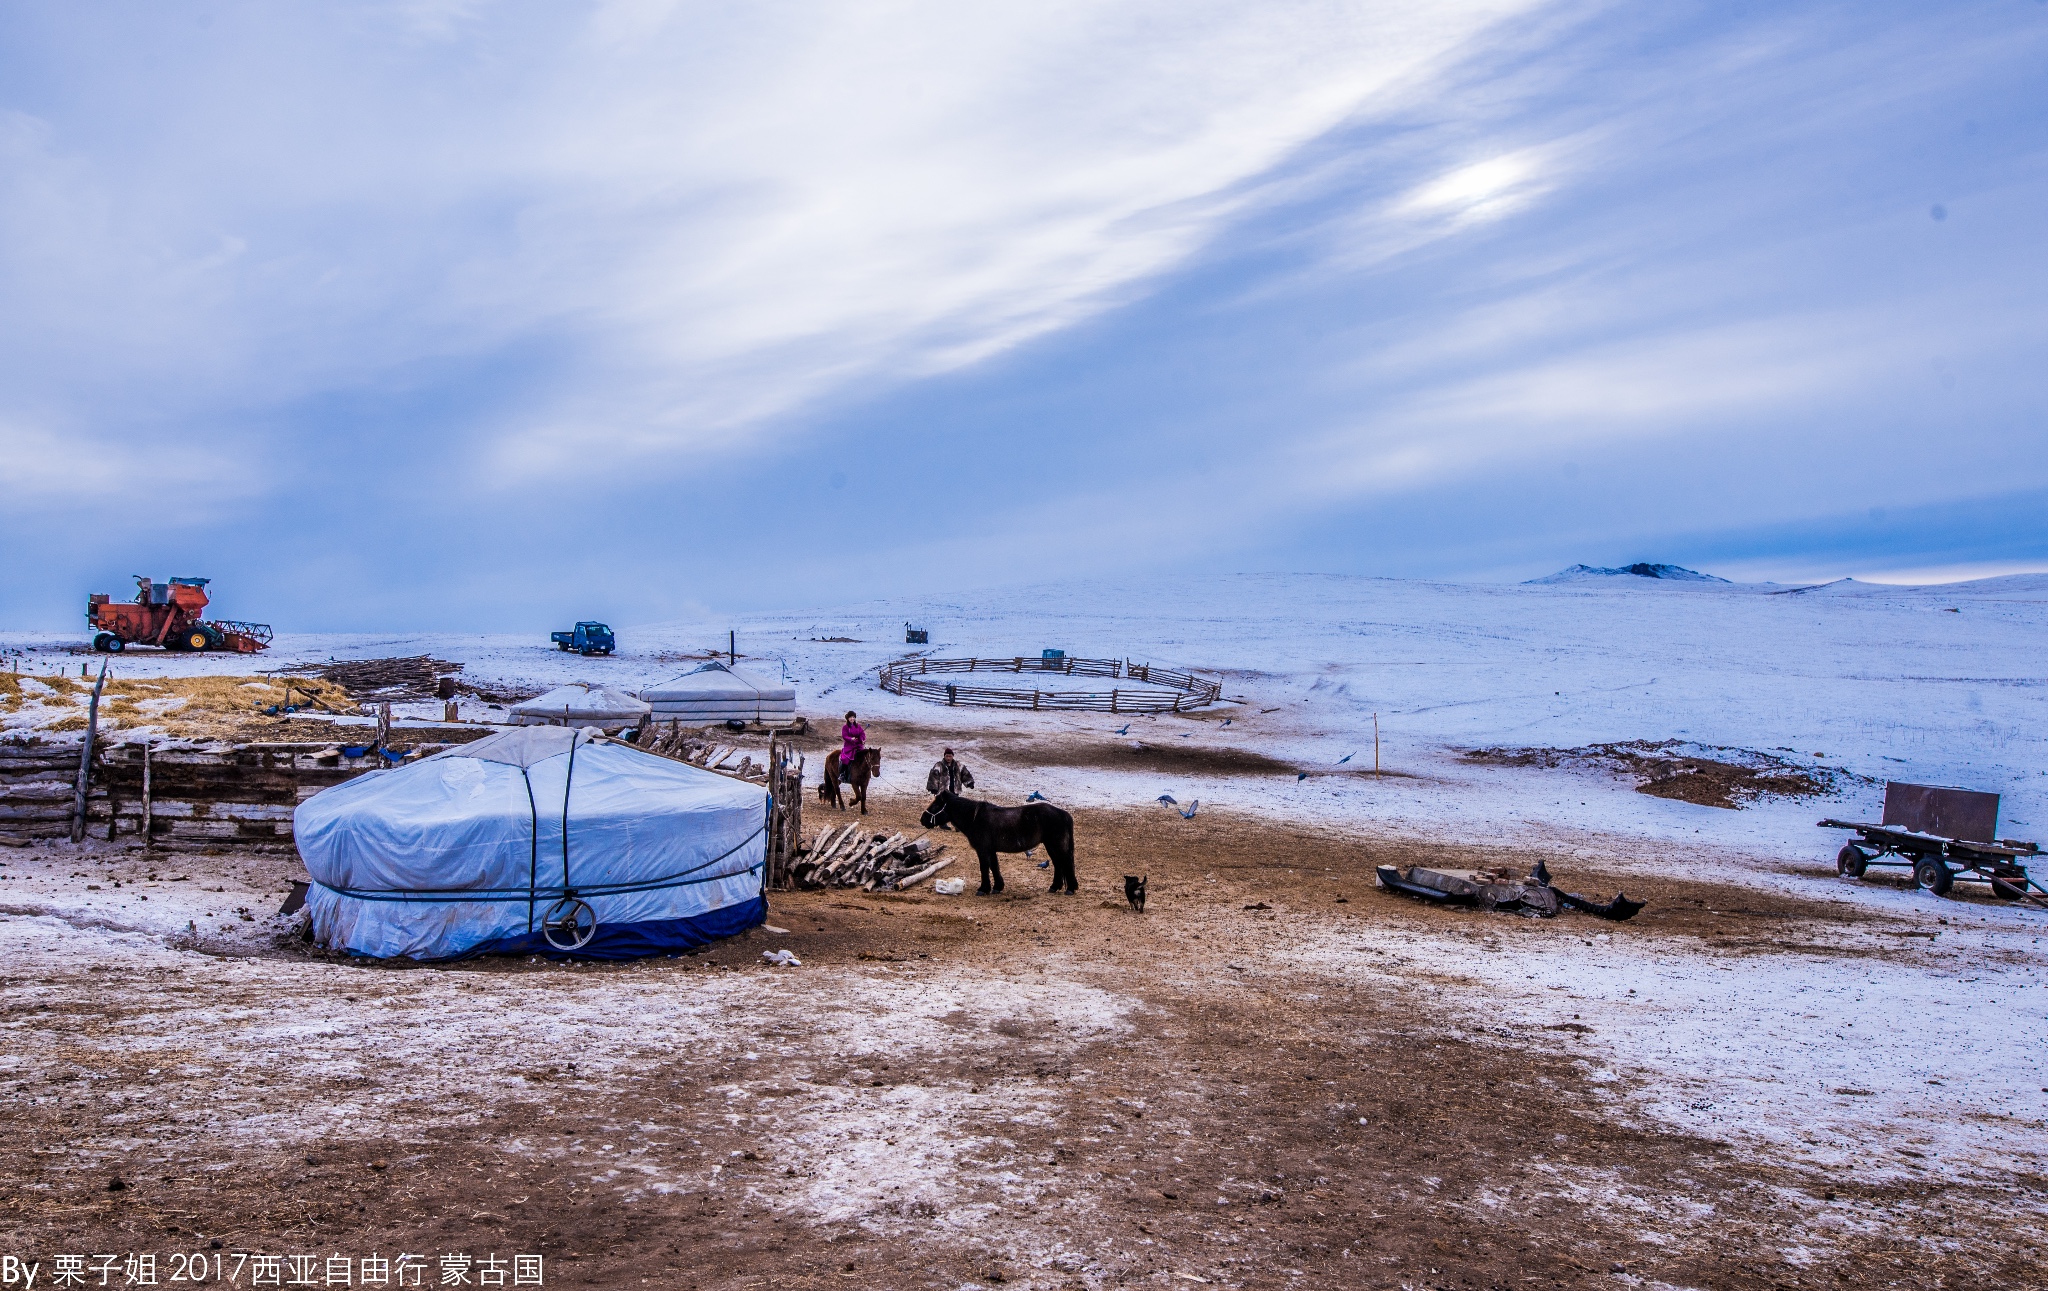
(1061,835)
(1059,847)
(1065,818)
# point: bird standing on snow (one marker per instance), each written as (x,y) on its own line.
(1300,776)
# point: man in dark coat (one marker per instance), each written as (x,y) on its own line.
(948,776)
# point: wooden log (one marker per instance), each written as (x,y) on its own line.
(837,843)
(38,790)
(849,862)
(829,842)
(912,880)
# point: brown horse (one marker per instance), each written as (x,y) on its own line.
(866,766)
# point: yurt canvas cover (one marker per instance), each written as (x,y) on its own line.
(465,852)
(579,704)
(720,692)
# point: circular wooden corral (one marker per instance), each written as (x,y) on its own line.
(1159,690)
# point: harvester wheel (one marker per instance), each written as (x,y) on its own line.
(99,642)
(115,645)
(194,639)
(1933,875)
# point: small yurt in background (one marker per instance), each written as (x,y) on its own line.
(579,704)
(534,841)
(720,692)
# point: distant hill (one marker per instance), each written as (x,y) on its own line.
(1641,569)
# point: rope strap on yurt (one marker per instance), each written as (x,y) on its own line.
(533,859)
(568,781)
(532,892)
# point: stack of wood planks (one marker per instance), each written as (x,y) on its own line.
(38,788)
(848,858)
(688,746)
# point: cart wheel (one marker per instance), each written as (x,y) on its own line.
(99,642)
(1931,874)
(2005,891)
(569,924)
(1851,861)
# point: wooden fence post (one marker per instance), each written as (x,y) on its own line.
(92,730)
(146,803)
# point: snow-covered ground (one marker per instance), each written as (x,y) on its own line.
(1844,1058)
(1945,684)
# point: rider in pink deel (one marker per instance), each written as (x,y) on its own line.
(852,740)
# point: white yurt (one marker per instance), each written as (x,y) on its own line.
(534,841)
(579,704)
(720,692)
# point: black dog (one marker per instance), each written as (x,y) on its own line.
(991,829)
(1134,892)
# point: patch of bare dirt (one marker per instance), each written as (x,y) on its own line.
(1163,756)
(1704,775)
(1170,756)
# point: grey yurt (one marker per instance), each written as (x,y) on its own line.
(721,692)
(579,704)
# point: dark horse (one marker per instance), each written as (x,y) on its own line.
(991,829)
(867,764)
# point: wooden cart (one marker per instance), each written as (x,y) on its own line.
(1943,835)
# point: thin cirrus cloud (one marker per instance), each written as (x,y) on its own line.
(711,215)
(1699,263)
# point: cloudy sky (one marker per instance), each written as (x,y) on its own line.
(452,314)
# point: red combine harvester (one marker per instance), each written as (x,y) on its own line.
(168,615)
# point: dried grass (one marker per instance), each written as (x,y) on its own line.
(189,707)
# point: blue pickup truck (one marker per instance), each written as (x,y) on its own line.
(585,638)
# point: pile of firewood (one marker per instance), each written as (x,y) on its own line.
(690,747)
(847,858)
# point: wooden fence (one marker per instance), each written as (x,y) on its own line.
(1185,690)
(785,812)
(169,794)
